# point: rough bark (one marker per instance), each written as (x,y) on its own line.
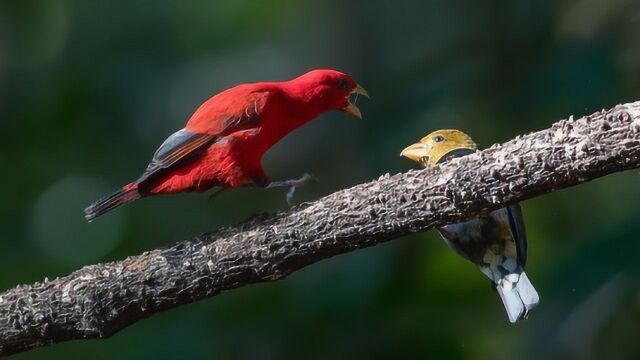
(98,300)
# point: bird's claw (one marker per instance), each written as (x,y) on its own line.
(293,184)
(296,183)
(289,196)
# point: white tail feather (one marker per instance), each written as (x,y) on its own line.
(527,292)
(518,295)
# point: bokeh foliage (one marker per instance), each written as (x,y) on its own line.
(88,89)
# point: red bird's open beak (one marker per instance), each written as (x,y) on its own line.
(352,109)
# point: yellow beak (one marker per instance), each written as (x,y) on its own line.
(415,152)
(352,109)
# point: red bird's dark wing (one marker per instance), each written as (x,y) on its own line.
(180,146)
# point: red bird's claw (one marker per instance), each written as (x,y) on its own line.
(304,179)
(293,182)
(292,185)
(290,193)
(298,183)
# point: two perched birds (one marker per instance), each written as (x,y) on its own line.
(495,242)
(223,142)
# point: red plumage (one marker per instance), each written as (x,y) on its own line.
(223,142)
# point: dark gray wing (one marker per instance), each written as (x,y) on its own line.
(517,229)
(180,146)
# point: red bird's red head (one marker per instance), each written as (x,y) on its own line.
(329,89)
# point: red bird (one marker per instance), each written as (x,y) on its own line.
(223,142)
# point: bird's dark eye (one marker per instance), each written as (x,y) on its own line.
(438,138)
(343,84)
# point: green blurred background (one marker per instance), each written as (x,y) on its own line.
(89,89)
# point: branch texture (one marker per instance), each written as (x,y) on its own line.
(98,300)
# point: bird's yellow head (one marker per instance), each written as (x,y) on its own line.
(439,146)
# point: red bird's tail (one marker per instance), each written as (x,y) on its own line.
(120,197)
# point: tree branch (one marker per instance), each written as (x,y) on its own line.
(98,300)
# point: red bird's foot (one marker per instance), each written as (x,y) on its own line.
(292,185)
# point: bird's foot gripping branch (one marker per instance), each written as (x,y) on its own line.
(98,300)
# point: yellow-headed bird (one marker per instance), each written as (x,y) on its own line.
(495,242)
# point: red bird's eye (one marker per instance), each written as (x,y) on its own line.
(343,84)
